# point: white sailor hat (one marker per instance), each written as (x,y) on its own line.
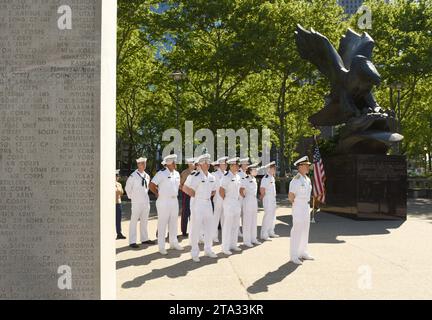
(140,160)
(302,160)
(269,165)
(221,160)
(233,160)
(190,160)
(244,161)
(169,159)
(204,158)
(215,163)
(254,166)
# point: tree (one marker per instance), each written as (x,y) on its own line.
(402,31)
(142,101)
(288,83)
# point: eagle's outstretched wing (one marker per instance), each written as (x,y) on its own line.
(317,49)
(353,44)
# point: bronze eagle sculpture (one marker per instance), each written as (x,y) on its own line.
(352,76)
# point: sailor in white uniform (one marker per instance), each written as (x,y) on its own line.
(244,163)
(165,185)
(268,197)
(230,191)
(201,187)
(137,187)
(250,206)
(299,195)
(221,166)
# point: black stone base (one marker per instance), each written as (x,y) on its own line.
(366,186)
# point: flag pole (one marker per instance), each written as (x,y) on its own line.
(313,198)
(313,210)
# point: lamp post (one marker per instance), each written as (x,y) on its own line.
(177,76)
(398,87)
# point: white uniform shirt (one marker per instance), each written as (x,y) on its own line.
(203,185)
(301,187)
(137,187)
(219,174)
(168,183)
(231,184)
(250,185)
(188,181)
(242,174)
(268,183)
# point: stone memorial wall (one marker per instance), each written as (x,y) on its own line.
(50,149)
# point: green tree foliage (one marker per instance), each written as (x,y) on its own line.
(143,100)
(402,30)
(243,70)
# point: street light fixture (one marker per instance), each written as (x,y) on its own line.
(177,76)
(398,86)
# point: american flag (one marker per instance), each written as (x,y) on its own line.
(318,176)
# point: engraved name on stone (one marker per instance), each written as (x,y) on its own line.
(49,142)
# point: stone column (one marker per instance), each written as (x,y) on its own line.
(57,149)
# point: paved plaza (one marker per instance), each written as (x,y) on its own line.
(353,260)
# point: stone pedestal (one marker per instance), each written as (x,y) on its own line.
(57,149)
(366,186)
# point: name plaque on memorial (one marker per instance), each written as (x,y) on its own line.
(366,186)
(55,96)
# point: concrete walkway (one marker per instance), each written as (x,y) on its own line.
(354,260)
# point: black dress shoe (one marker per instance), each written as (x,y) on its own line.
(120,237)
(149,242)
(134,246)
(185,234)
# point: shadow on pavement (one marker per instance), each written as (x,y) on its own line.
(326,230)
(328,227)
(180,269)
(141,247)
(147,258)
(261,285)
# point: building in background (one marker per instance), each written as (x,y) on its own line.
(350,6)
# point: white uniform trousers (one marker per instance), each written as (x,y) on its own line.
(217,217)
(201,222)
(201,234)
(269,219)
(242,205)
(250,211)
(139,211)
(300,228)
(230,228)
(168,210)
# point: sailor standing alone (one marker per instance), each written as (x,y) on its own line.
(299,195)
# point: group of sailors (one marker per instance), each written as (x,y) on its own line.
(222,198)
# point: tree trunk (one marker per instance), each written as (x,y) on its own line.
(130,156)
(282,127)
(430,161)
